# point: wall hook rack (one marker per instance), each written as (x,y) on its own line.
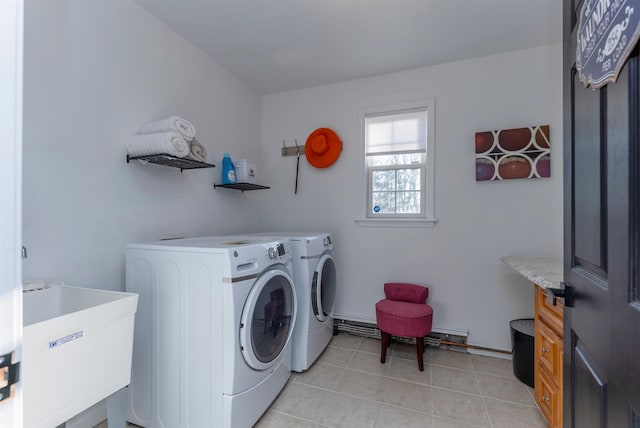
(292,151)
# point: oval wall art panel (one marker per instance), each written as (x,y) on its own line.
(513,153)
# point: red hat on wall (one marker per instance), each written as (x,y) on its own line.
(323,147)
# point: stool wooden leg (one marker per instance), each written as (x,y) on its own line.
(386,339)
(420,351)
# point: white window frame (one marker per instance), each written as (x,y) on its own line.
(372,169)
(427,217)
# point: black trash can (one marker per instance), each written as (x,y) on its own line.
(522,337)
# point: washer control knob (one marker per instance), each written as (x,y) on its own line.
(273,253)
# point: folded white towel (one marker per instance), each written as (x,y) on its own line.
(197,151)
(170,143)
(174,124)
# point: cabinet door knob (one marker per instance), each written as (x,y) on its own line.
(545,350)
(545,398)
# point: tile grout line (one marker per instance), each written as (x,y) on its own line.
(532,395)
(411,409)
(511,377)
(353,353)
(433,404)
(486,409)
(379,403)
(399,357)
(301,419)
(358,371)
(364,399)
(484,402)
(522,385)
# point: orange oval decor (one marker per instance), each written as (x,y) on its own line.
(543,166)
(484,141)
(513,140)
(542,137)
(514,167)
(485,170)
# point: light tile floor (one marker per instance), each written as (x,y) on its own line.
(348,387)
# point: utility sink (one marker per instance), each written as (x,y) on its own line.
(76,350)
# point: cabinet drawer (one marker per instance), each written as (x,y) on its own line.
(548,348)
(551,314)
(548,358)
(549,399)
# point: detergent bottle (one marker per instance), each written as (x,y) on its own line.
(228,170)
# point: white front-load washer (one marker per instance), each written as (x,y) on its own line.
(212,340)
(314,275)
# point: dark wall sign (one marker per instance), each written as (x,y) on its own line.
(607,33)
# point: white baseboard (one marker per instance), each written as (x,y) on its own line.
(490,353)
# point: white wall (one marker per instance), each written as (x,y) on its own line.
(478,221)
(95,71)
(11,81)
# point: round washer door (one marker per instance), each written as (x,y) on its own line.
(323,288)
(267,319)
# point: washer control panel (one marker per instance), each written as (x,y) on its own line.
(276,252)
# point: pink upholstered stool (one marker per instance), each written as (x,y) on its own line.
(404,313)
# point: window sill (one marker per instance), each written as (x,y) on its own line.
(396,222)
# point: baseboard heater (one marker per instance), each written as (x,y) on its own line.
(452,339)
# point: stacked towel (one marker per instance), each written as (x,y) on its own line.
(197,151)
(173,124)
(170,143)
(173,136)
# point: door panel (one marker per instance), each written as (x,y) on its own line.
(587,173)
(590,391)
(602,244)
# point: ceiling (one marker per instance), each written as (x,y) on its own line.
(280,45)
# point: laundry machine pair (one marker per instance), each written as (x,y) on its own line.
(212,340)
(314,276)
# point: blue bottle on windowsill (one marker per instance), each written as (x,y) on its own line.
(228,170)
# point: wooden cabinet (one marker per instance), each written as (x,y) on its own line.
(548,358)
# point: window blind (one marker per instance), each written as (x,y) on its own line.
(402,132)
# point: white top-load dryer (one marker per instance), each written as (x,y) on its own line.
(316,284)
(212,335)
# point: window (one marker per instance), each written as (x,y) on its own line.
(398,150)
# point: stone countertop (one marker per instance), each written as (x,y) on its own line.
(545,272)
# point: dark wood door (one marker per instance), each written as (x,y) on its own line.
(602,244)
